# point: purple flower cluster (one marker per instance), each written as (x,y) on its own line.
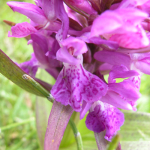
(78,42)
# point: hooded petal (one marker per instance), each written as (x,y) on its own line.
(78,45)
(64,56)
(71,50)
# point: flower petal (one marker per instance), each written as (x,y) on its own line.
(22,30)
(114,99)
(74,84)
(105,116)
(113,58)
(64,56)
(121,72)
(31,66)
(126,89)
(141,62)
(106,23)
(31,11)
(131,39)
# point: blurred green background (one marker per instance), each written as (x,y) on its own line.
(17,107)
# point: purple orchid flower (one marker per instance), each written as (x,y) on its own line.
(122,26)
(79,41)
(105,117)
(45,15)
(74,84)
(41,47)
(136,61)
(124,94)
(39,58)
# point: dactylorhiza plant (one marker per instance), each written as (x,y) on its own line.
(78,42)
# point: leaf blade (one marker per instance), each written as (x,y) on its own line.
(11,71)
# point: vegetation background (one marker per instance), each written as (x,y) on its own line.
(17,107)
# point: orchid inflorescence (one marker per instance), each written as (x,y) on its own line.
(78,42)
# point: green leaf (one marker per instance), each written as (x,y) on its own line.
(10,70)
(135,133)
(68,137)
(43,108)
(57,122)
(114,143)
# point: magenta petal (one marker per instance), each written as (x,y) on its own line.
(62,33)
(105,66)
(85,107)
(113,58)
(131,39)
(40,47)
(22,30)
(82,5)
(74,84)
(103,117)
(71,48)
(114,99)
(141,62)
(143,67)
(64,56)
(126,89)
(106,23)
(98,41)
(133,3)
(50,8)
(136,80)
(121,72)
(31,11)
(43,50)
(93,123)
(78,45)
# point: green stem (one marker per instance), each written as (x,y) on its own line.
(76,134)
(114,143)
(16,124)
